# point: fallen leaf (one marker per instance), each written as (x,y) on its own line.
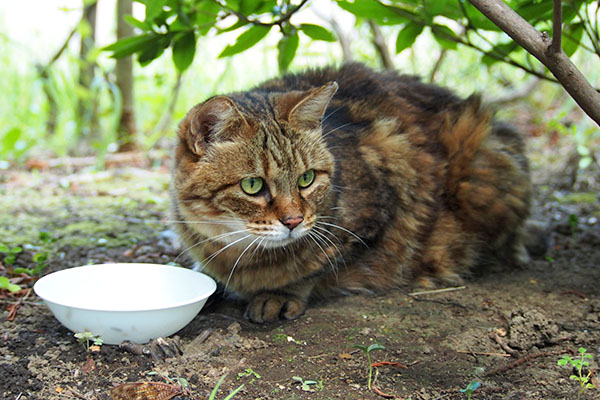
(88,366)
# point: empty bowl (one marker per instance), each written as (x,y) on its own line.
(117,302)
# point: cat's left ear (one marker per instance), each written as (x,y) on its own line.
(308,112)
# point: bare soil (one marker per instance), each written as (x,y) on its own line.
(504,329)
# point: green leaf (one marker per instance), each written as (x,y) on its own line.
(407,36)
(16,250)
(230,395)
(136,23)
(317,32)
(184,49)
(572,37)
(361,347)
(20,270)
(6,284)
(10,139)
(4,248)
(373,9)
(246,40)
(287,47)
(444,36)
(154,8)
(130,45)
(233,27)
(154,49)
(536,11)
(248,7)
(375,346)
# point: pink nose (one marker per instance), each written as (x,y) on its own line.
(292,222)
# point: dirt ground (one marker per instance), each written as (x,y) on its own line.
(505,330)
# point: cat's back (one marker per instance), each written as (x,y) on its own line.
(387,92)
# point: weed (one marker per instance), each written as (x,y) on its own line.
(248,372)
(213,394)
(280,338)
(471,387)
(579,364)
(11,253)
(6,284)
(86,338)
(367,351)
(307,385)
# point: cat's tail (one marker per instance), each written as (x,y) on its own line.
(487,177)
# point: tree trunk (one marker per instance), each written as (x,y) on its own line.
(87,104)
(127,129)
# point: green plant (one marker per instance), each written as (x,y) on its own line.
(86,337)
(11,253)
(579,363)
(306,384)
(213,394)
(367,351)
(248,372)
(6,284)
(471,387)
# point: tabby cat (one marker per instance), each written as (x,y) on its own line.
(341,180)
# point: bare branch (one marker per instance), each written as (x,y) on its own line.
(381,46)
(557,22)
(540,46)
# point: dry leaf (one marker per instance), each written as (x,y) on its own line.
(146,391)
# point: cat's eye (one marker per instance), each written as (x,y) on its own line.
(251,186)
(306,179)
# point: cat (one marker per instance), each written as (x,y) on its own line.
(342,179)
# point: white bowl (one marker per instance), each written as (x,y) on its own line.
(117,302)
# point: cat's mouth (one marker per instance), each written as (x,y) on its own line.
(280,236)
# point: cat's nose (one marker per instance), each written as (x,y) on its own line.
(292,222)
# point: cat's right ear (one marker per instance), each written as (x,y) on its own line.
(217,119)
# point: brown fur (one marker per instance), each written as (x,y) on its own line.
(413,185)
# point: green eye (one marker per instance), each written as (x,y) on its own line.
(306,179)
(251,186)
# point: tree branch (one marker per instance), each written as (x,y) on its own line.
(557,23)
(381,46)
(540,46)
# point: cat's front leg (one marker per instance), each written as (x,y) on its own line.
(287,303)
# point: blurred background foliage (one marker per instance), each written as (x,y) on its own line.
(72,98)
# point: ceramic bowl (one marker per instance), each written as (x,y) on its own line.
(117,302)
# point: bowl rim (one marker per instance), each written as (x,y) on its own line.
(212,286)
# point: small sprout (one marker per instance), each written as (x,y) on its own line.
(6,284)
(248,372)
(213,394)
(367,351)
(86,338)
(471,387)
(306,384)
(11,253)
(579,364)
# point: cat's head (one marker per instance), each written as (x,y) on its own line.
(254,166)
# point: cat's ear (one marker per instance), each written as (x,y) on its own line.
(308,112)
(217,119)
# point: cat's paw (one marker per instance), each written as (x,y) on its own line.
(266,307)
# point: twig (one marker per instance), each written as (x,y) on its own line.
(437,65)
(483,353)
(503,344)
(15,307)
(524,360)
(435,291)
(381,46)
(557,23)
